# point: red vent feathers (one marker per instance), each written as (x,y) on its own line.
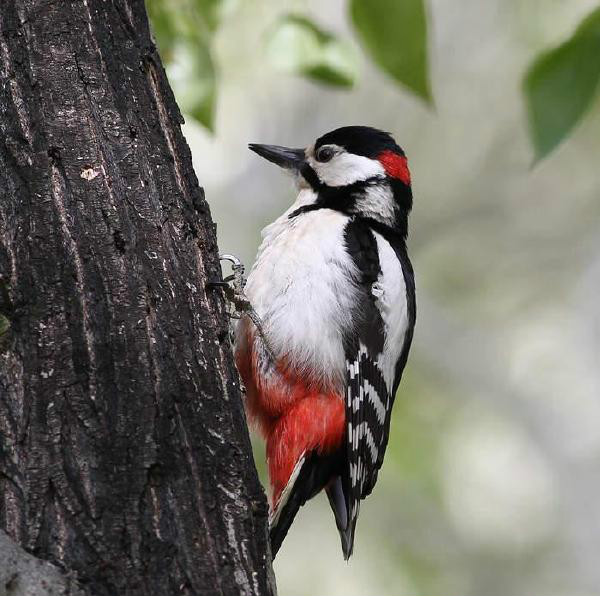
(395,166)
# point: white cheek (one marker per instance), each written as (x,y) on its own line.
(347,168)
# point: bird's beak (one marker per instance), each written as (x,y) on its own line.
(284,157)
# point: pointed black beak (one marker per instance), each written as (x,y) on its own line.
(284,157)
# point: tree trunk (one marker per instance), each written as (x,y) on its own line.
(124,453)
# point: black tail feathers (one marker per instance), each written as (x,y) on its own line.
(339,506)
(311,475)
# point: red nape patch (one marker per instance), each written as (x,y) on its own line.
(396,166)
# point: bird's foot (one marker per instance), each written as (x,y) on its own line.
(233,289)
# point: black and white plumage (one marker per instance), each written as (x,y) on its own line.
(334,288)
(371,381)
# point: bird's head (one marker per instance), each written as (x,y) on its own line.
(355,169)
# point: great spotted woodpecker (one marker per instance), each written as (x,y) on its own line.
(334,289)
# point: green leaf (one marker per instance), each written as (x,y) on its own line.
(561,84)
(394,32)
(297,45)
(192,76)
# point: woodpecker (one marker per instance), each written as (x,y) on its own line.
(334,290)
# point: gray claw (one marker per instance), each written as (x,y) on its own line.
(241,305)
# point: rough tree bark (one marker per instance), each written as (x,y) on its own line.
(124,453)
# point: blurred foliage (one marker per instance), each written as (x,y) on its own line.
(490,476)
(184,31)
(395,35)
(415,446)
(561,85)
(297,45)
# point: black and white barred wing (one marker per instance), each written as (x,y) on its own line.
(376,349)
(367,410)
(375,357)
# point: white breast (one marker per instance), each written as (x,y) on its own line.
(299,287)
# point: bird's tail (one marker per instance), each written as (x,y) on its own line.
(311,473)
(287,506)
(346,524)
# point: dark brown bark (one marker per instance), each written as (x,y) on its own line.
(124,453)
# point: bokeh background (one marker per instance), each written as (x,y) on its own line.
(491,483)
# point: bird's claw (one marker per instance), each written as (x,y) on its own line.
(233,289)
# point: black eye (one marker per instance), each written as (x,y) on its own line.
(324,154)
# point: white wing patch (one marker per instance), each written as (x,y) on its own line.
(390,292)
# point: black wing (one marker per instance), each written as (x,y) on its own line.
(368,400)
(365,387)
